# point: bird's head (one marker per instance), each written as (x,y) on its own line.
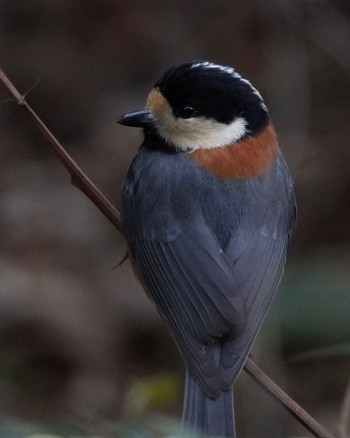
(201,105)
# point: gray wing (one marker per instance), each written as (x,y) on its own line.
(197,294)
(214,298)
(212,308)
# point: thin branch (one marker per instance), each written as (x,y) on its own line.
(344,415)
(284,400)
(80,180)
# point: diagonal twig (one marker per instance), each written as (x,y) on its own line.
(284,400)
(344,420)
(80,180)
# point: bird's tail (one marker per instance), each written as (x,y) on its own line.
(207,417)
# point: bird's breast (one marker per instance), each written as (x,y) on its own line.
(246,159)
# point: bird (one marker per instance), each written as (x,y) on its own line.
(208,210)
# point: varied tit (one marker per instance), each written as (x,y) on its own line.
(208,209)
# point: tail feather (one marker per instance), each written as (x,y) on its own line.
(208,417)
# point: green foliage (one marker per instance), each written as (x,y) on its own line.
(312,309)
(152,392)
(330,352)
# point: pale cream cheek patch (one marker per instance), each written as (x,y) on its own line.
(194,133)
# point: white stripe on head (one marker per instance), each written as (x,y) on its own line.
(207,64)
(232,72)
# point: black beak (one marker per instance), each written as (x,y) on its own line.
(139,119)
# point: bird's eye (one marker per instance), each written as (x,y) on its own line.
(187,112)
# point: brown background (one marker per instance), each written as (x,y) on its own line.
(82,351)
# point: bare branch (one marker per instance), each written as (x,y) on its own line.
(284,400)
(79,178)
(344,415)
(83,183)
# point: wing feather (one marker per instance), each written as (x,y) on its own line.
(213,296)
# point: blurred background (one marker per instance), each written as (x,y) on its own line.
(82,351)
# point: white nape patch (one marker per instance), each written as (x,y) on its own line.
(198,132)
(232,72)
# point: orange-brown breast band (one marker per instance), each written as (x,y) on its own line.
(248,158)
